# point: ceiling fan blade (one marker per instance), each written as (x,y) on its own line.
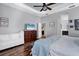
(38,6)
(50,4)
(49,8)
(41,9)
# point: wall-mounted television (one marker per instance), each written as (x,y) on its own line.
(65,33)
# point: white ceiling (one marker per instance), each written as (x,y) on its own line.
(28,8)
(39,8)
(58,7)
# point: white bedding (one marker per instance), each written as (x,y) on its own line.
(65,46)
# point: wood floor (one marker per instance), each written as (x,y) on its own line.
(17,51)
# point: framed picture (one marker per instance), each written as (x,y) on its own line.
(4,22)
(76,22)
(71,26)
(30,26)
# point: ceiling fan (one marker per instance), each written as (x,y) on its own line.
(45,6)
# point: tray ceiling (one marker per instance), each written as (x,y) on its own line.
(39,8)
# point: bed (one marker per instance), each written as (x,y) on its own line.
(56,46)
(41,46)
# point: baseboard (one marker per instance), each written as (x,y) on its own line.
(11,47)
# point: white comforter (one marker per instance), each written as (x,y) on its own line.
(65,46)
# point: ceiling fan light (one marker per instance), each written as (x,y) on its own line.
(44,9)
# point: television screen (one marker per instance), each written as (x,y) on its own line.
(64,32)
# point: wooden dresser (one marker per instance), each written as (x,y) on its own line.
(29,37)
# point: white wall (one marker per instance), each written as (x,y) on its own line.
(50,30)
(10,40)
(17,19)
(56,17)
(73,14)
